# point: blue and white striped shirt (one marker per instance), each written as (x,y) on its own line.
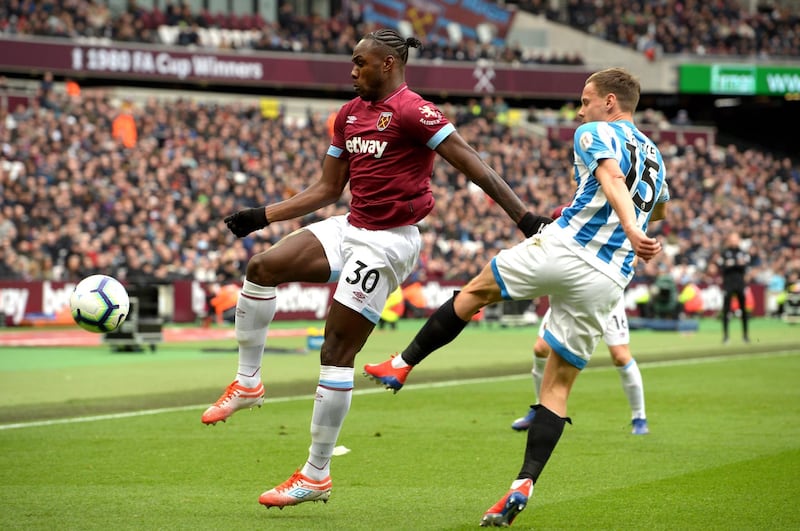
(589,224)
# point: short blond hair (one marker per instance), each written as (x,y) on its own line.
(624,85)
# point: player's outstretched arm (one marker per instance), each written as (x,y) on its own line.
(327,190)
(455,150)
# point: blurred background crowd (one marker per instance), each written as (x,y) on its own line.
(138,188)
(78,200)
(695,27)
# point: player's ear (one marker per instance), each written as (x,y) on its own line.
(388,63)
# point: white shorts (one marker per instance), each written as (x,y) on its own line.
(617,331)
(581,296)
(367,264)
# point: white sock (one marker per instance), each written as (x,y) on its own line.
(334,392)
(518,483)
(398,362)
(538,373)
(633,387)
(255,310)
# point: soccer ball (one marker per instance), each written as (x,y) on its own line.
(99,304)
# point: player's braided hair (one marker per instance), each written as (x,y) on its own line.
(392,40)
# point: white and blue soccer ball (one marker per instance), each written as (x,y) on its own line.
(99,304)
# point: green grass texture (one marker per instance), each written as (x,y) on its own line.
(722,454)
(56,382)
(91,439)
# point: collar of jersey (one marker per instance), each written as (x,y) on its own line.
(401,88)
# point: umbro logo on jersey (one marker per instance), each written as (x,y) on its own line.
(351,119)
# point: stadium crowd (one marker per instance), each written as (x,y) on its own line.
(77,200)
(693,27)
(288,33)
(140,189)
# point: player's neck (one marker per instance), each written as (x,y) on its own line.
(621,117)
(389,92)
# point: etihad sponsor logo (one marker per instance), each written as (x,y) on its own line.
(384,120)
(358,145)
(430,115)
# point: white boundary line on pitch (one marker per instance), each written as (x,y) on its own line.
(430,385)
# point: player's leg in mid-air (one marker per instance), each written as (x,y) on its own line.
(443,326)
(373,264)
(298,257)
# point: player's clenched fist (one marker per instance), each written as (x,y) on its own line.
(246,221)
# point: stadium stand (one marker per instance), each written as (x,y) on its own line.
(179,25)
(77,201)
(722,28)
(694,27)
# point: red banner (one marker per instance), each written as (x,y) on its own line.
(183,301)
(277,70)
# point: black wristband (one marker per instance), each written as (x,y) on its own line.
(531,223)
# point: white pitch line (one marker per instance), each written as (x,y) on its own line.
(422,386)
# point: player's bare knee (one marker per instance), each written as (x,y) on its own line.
(541,350)
(336,357)
(620,355)
(259,270)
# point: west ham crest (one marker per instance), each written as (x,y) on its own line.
(384,120)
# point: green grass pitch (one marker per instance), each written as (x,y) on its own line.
(91,439)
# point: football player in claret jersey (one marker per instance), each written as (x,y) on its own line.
(384,144)
(583,261)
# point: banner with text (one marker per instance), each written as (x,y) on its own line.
(164,66)
(37,302)
(739,79)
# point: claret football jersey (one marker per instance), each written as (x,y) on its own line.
(390,147)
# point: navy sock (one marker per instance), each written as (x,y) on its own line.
(543,435)
(441,328)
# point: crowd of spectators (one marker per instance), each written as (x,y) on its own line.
(76,200)
(692,27)
(290,32)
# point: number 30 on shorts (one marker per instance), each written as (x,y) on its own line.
(368,278)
